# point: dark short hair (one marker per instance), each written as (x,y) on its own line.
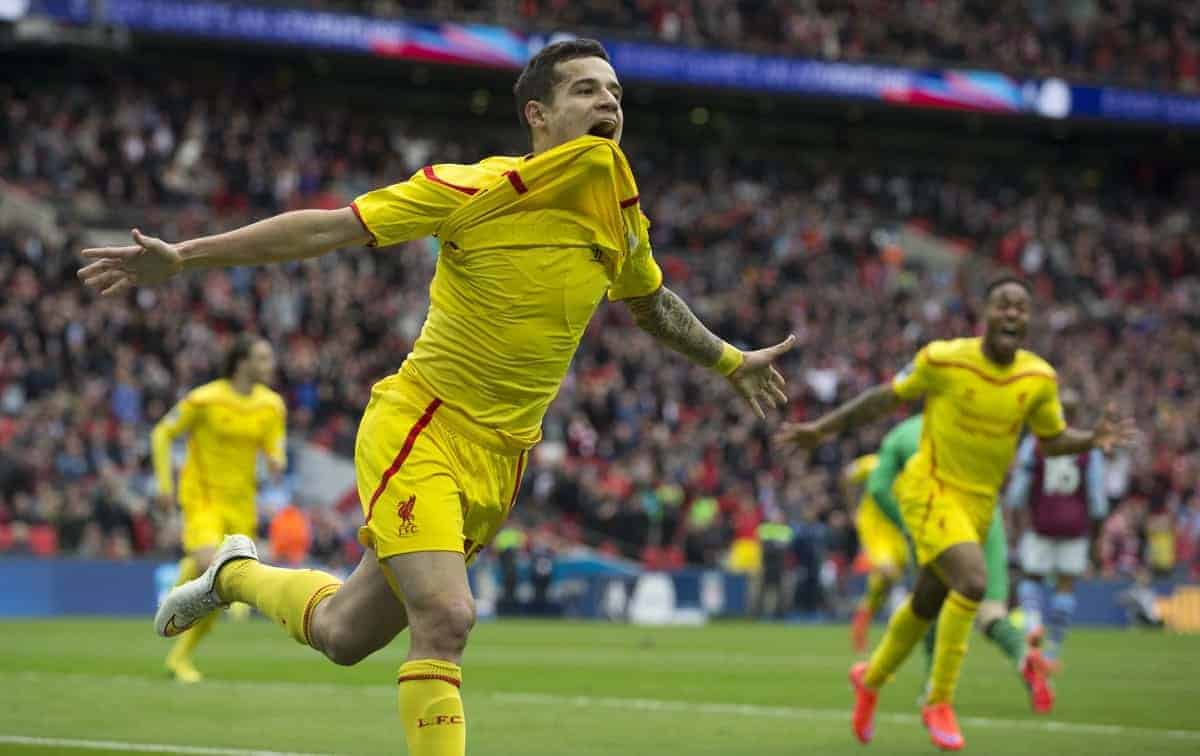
(538,78)
(238,352)
(1003,279)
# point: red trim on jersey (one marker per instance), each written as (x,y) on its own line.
(403,454)
(429,174)
(358,214)
(444,678)
(990,379)
(514,178)
(631,201)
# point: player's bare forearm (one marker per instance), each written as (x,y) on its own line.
(295,235)
(1070,441)
(870,405)
(668,319)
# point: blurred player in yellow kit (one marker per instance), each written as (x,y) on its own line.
(883,543)
(227,423)
(980,393)
(529,246)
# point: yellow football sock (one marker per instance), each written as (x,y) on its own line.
(286,596)
(877,588)
(954,628)
(431,708)
(903,631)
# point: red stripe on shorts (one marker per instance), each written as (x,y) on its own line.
(403,454)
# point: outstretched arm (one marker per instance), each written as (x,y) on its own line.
(672,323)
(870,405)
(1110,432)
(668,319)
(294,235)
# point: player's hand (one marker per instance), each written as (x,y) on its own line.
(1113,431)
(805,436)
(119,269)
(757,380)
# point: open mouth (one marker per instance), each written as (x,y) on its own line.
(605,128)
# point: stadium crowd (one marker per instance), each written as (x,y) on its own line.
(643,454)
(1146,43)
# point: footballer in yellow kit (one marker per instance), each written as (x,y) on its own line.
(980,393)
(509,301)
(975,411)
(882,541)
(528,248)
(883,544)
(228,422)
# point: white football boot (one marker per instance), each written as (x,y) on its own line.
(189,603)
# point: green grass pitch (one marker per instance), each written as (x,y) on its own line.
(573,689)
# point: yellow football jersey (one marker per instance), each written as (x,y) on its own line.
(529,247)
(226,430)
(975,411)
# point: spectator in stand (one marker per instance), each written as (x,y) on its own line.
(1148,44)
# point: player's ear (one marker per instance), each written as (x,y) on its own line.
(534,115)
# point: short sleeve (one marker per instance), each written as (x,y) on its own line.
(1046,418)
(640,275)
(916,379)
(410,209)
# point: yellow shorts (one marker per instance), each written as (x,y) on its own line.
(205,524)
(939,516)
(882,541)
(429,479)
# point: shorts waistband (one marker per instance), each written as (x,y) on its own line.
(407,387)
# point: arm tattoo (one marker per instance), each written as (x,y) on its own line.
(668,319)
(871,404)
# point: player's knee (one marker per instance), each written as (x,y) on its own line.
(973,584)
(446,624)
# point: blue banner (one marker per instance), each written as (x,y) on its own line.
(475,44)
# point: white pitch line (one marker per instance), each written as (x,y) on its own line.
(791,712)
(636,704)
(117,745)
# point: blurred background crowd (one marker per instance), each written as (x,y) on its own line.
(1148,42)
(864,259)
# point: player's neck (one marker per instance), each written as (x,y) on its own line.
(242,385)
(990,354)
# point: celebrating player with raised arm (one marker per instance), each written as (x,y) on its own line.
(979,395)
(529,247)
